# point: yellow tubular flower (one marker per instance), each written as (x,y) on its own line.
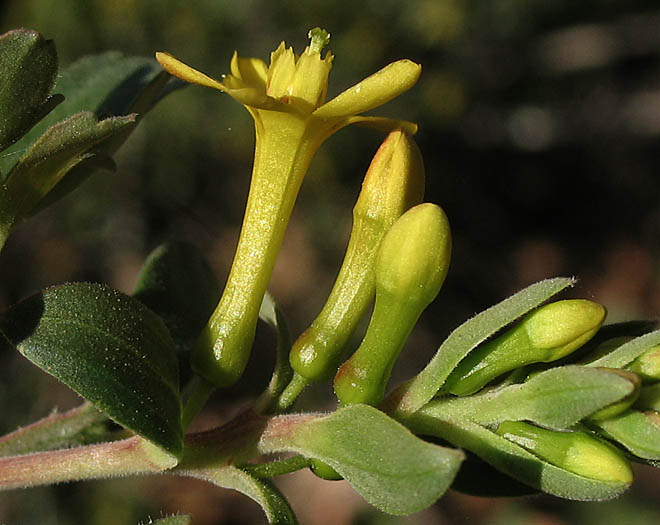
(287,102)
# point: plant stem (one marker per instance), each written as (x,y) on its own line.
(199,391)
(242,439)
(291,392)
(74,427)
(277,468)
(118,458)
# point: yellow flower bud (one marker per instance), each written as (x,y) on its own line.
(647,365)
(576,452)
(547,334)
(412,264)
(394,182)
(413,259)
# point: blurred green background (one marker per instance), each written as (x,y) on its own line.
(539,126)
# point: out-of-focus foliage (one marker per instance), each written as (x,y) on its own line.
(539,126)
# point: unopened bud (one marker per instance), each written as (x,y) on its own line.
(394,182)
(412,264)
(647,365)
(576,452)
(547,334)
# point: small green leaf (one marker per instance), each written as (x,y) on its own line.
(56,152)
(416,393)
(637,431)
(178,284)
(104,84)
(143,102)
(110,349)
(628,352)
(388,465)
(557,398)
(29,67)
(275,506)
(515,461)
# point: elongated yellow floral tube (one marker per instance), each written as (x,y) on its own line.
(223,349)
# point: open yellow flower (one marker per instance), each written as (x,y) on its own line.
(292,119)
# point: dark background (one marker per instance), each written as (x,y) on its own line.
(539,126)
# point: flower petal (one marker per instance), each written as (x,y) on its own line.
(373,91)
(252,71)
(281,71)
(183,71)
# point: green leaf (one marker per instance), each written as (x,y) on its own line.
(56,152)
(514,460)
(413,395)
(109,85)
(557,398)
(389,466)
(144,101)
(29,67)
(177,283)
(110,349)
(628,352)
(272,501)
(104,84)
(637,431)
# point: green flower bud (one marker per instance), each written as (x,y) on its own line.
(576,452)
(624,404)
(647,365)
(393,183)
(412,265)
(544,335)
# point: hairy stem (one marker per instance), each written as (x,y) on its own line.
(79,426)
(118,458)
(244,438)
